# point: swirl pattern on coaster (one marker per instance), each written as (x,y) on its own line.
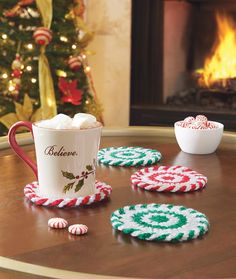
(102,191)
(169,179)
(128,156)
(160,222)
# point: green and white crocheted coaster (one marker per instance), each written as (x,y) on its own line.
(160,222)
(128,156)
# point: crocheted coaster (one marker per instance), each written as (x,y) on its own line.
(169,179)
(102,191)
(160,222)
(128,156)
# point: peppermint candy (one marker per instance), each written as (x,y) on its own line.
(160,222)
(189,119)
(200,122)
(169,179)
(57,223)
(128,156)
(78,229)
(201,118)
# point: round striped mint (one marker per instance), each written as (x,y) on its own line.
(182,124)
(198,125)
(211,125)
(189,119)
(128,156)
(169,179)
(160,222)
(57,223)
(78,229)
(201,118)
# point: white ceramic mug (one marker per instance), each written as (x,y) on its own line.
(66,159)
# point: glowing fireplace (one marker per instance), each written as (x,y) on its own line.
(186,64)
(220,65)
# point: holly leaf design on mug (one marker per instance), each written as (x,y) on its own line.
(89,167)
(68,175)
(78,179)
(68,187)
(79,185)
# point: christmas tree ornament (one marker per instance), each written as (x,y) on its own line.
(69,91)
(57,223)
(17,63)
(17,9)
(78,229)
(16,73)
(169,179)
(75,62)
(160,222)
(15,83)
(32,193)
(42,36)
(128,156)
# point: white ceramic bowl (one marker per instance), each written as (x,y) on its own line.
(196,141)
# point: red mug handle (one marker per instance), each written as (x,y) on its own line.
(16,147)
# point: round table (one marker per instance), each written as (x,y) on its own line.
(27,245)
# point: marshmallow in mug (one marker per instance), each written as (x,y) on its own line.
(62,121)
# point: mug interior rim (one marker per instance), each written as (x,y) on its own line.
(66,130)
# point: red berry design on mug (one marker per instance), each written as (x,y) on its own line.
(78,180)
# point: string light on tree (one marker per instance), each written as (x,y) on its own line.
(5,75)
(29,68)
(11,87)
(64,39)
(73,46)
(30,46)
(4,36)
(33,80)
(87,69)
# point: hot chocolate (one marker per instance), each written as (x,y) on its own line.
(62,121)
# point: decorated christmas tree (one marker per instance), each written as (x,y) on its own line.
(43,61)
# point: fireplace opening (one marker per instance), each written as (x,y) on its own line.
(183,61)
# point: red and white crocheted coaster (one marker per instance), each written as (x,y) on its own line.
(169,179)
(102,191)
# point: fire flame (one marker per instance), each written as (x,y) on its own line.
(220,66)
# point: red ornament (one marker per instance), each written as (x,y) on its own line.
(25,2)
(70,93)
(16,73)
(75,62)
(42,36)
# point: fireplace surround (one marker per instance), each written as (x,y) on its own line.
(170,41)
